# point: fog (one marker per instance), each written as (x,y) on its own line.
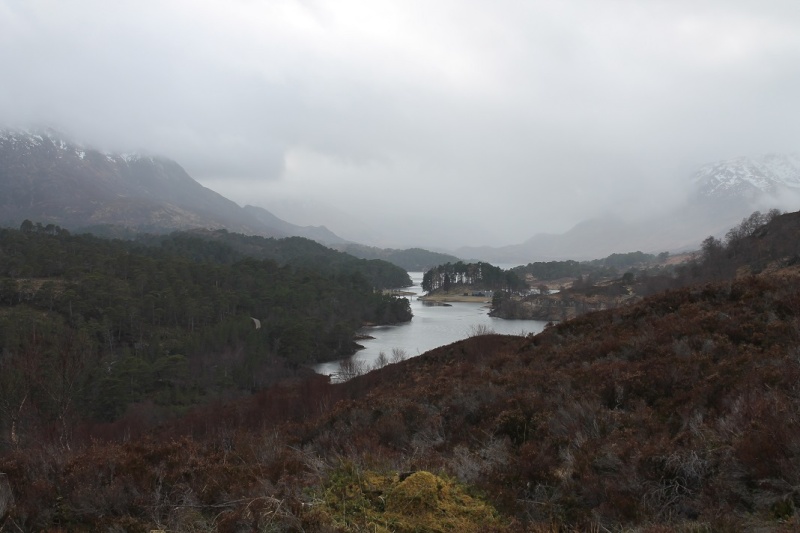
(436,124)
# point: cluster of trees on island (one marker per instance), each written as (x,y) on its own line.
(90,327)
(479,275)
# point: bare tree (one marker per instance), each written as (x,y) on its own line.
(350,368)
(480,329)
(63,379)
(381,361)
(398,355)
(15,390)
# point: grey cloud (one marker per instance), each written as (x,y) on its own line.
(500,119)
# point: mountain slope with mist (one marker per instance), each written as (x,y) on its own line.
(750,178)
(721,194)
(47,178)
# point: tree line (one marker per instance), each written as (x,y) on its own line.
(90,327)
(478,275)
(607,267)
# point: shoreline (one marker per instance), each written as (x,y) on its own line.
(444,298)
(398,292)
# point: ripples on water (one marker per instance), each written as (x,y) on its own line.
(431,327)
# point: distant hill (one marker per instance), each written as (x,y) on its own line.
(760,242)
(48,178)
(411,259)
(722,194)
(320,234)
(226,247)
(599,237)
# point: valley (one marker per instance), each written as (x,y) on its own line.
(156,373)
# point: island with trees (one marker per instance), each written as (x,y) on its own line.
(468,282)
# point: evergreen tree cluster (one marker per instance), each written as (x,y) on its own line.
(225,247)
(89,327)
(479,275)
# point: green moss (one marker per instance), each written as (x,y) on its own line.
(422,502)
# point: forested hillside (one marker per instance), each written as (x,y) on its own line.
(225,247)
(90,328)
(760,241)
(612,266)
(410,259)
(676,413)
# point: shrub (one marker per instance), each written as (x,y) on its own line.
(420,501)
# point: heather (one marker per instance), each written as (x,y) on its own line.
(676,413)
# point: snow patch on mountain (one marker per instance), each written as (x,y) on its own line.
(48,137)
(748,177)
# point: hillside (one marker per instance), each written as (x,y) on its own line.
(676,413)
(320,234)
(292,251)
(749,178)
(676,231)
(48,178)
(758,242)
(720,194)
(92,330)
(410,259)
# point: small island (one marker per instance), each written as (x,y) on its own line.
(468,282)
(456,296)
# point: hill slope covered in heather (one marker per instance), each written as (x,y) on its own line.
(677,413)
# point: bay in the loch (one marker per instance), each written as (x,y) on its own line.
(431,327)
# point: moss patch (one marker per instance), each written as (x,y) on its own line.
(421,502)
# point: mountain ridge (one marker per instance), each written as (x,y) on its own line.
(46,177)
(748,177)
(722,194)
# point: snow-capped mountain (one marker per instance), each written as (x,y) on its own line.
(45,177)
(723,193)
(748,178)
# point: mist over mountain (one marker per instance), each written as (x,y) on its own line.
(320,234)
(749,178)
(721,194)
(48,178)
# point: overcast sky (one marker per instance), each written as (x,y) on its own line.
(435,123)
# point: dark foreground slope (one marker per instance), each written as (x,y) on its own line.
(679,413)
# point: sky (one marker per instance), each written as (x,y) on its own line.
(416,123)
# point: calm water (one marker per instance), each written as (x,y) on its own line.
(431,327)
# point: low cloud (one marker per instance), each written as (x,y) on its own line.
(451,123)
